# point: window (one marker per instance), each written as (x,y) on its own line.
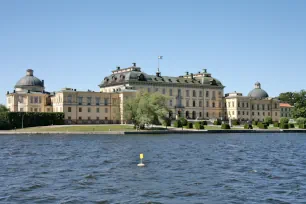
(200,103)
(80,110)
(31,109)
(200,114)
(252,107)
(263,106)
(247,105)
(89,101)
(69,99)
(36,99)
(89,118)
(194,94)
(106,101)
(233,104)
(238,104)
(69,117)
(275,113)
(193,103)
(219,93)
(207,114)
(247,113)
(229,104)
(98,118)
(106,118)
(187,103)
(252,113)
(98,110)
(242,112)
(80,118)
(89,110)
(164,91)
(258,113)
(80,100)
(200,93)
(242,105)
(275,105)
(213,104)
(48,109)
(213,94)
(263,113)
(69,109)
(219,114)
(268,107)
(149,90)
(220,104)
(170,102)
(207,93)
(238,112)
(21,109)
(268,113)
(179,92)
(233,112)
(31,99)
(98,99)
(187,93)
(170,92)
(156,89)
(106,110)
(257,106)
(207,103)
(35,109)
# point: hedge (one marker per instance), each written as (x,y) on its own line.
(262,125)
(11,120)
(291,125)
(189,125)
(225,126)
(302,126)
(275,124)
(177,124)
(284,126)
(254,123)
(198,126)
(217,122)
(166,122)
(235,122)
(204,122)
(247,126)
(284,120)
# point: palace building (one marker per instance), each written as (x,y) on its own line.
(192,95)
(255,107)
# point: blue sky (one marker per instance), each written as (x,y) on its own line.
(76,44)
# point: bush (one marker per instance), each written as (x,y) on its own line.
(275,124)
(177,124)
(301,121)
(198,126)
(254,123)
(284,126)
(204,122)
(284,120)
(225,127)
(217,122)
(183,121)
(247,126)
(268,120)
(235,122)
(189,125)
(291,125)
(262,125)
(166,122)
(302,126)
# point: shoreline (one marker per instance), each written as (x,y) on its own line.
(153,132)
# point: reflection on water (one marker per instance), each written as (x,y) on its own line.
(225,168)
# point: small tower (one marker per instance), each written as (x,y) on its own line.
(257,85)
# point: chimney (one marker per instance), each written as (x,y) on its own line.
(7,92)
(30,72)
(158,74)
(204,70)
(118,68)
(14,91)
(134,64)
(28,91)
(191,74)
(43,82)
(187,73)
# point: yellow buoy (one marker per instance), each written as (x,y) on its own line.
(141,157)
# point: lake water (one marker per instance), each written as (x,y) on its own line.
(193,168)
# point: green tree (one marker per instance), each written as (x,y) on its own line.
(284,120)
(299,109)
(146,109)
(288,97)
(3,108)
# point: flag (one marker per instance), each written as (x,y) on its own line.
(160,57)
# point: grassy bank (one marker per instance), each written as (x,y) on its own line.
(78,128)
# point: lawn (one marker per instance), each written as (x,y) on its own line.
(79,128)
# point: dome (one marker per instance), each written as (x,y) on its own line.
(30,82)
(257,92)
